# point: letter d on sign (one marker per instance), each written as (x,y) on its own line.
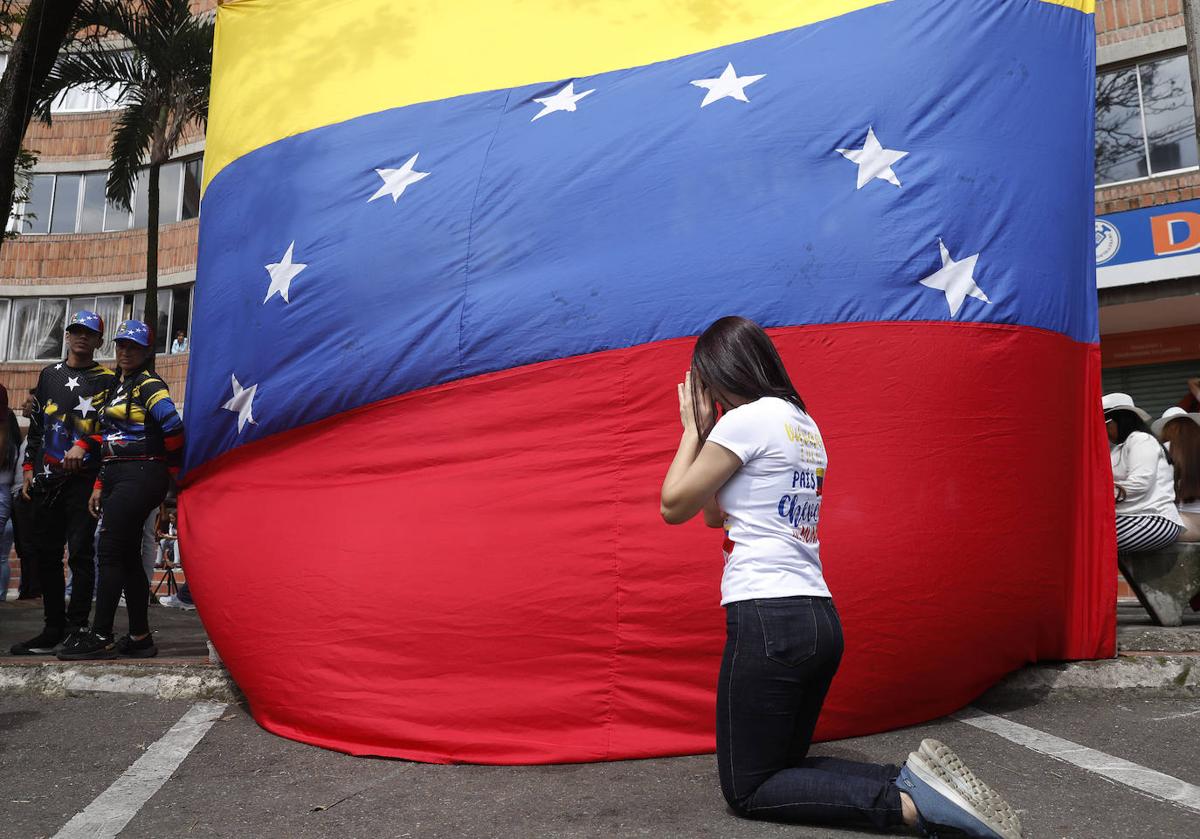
(1175,232)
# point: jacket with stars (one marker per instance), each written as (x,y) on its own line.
(138,421)
(67,404)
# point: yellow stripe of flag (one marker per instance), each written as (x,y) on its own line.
(283,67)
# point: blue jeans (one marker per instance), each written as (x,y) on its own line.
(780,657)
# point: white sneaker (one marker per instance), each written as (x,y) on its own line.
(175,603)
(967,783)
(948,794)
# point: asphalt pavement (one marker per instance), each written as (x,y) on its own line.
(161,748)
(58,755)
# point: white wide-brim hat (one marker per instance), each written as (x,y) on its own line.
(1123,402)
(1172,414)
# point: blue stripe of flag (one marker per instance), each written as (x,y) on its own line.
(642,216)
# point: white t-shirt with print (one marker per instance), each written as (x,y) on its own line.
(772,503)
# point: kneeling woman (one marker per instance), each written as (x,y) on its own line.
(784,637)
(141,439)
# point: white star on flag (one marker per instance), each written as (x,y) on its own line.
(564,100)
(727,85)
(874,161)
(46,470)
(72,382)
(242,403)
(85,405)
(58,366)
(282,273)
(955,279)
(395,181)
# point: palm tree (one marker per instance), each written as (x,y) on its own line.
(160,56)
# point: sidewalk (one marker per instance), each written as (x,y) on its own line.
(182,669)
(1161,660)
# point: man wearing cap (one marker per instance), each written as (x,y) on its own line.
(68,398)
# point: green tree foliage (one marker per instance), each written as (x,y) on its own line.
(160,56)
(32,33)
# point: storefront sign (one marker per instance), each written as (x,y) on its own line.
(1133,349)
(1154,243)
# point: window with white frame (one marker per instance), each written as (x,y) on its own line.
(1145,123)
(79,100)
(74,202)
(32,328)
(36,331)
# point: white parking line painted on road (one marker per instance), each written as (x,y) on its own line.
(1157,784)
(114,808)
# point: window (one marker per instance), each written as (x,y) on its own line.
(1145,124)
(75,202)
(162,330)
(181,314)
(65,210)
(141,207)
(168,192)
(37,208)
(31,328)
(91,211)
(37,328)
(193,171)
(115,218)
(78,100)
(5,305)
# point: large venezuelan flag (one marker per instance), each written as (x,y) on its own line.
(451,257)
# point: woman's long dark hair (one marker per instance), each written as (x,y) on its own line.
(1127,423)
(1184,437)
(737,358)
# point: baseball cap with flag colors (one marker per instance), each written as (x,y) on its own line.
(88,320)
(133,330)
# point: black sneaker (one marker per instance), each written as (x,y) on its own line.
(43,644)
(71,632)
(144,648)
(86,644)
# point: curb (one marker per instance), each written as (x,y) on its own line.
(161,681)
(1167,674)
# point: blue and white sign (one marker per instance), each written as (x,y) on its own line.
(1108,241)
(1143,246)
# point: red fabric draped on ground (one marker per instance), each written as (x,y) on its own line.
(478,572)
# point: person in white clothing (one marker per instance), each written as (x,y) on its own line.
(759,471)
(1180,434)
(1143,479)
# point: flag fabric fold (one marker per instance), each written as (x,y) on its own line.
(442,334)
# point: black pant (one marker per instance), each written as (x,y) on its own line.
(780,657)
(132,489)
(26,545)
(61,517)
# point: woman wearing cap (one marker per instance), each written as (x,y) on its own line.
(141,440)
(759,471)
(1180,433)
(1143,479)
